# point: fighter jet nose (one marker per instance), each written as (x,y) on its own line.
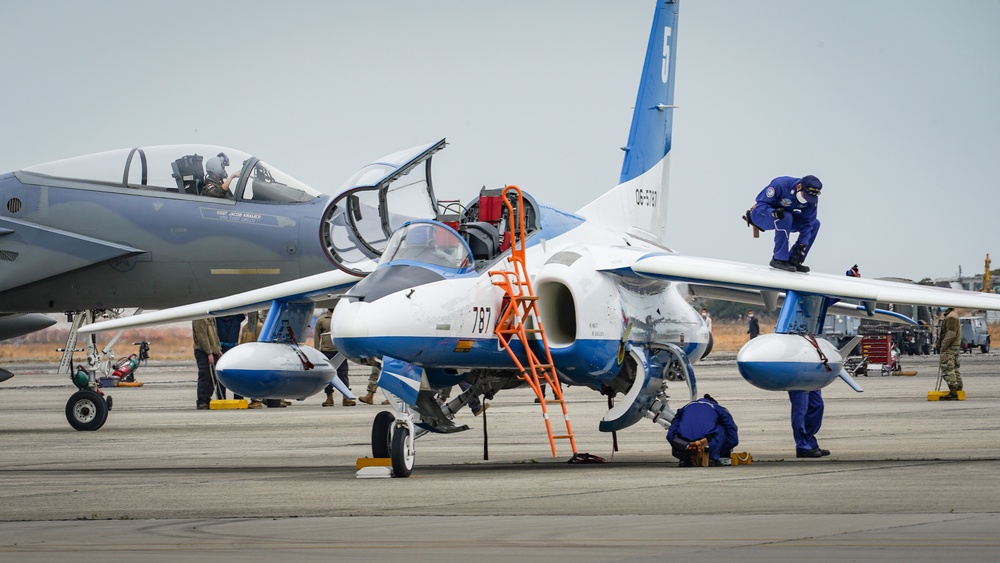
(351,329)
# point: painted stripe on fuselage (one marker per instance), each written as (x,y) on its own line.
(585,362)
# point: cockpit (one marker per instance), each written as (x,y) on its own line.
(387,212)
(186,170)
(429,243)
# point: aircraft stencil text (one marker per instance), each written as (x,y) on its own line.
(481,317)
(645,197)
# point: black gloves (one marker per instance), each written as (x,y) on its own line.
(778,214)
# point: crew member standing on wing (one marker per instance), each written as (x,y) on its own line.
(788,205)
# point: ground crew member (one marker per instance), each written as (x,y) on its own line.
(369,397)
(785,206)
(854,272)
(206,351)
(951,340)
(228,329)
(704,418)
(807,417)
(324,343)
(753,325)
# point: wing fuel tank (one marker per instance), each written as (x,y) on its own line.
(278,371)
(790,362)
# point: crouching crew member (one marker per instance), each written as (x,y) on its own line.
(788,205)
(704,418)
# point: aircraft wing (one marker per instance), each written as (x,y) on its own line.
(771,301)
(38,252)
(739,275)
(318,287)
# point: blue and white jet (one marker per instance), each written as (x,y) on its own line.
(597,293)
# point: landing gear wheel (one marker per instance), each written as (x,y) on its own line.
(402,453)
(675,371)
(86,410)
(382,434)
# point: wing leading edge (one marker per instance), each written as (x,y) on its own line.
(738,275)
(318,287)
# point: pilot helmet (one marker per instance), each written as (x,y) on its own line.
(215,167)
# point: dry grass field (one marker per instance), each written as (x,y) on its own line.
(166,343)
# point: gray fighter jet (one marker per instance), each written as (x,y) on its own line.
(157,227)
(151,227)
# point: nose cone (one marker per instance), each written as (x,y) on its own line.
(352,330)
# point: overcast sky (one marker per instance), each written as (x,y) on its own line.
(891,103)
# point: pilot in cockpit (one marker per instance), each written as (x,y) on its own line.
(216,180)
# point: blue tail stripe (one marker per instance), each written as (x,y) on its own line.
(651,133)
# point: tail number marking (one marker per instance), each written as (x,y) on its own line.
(645,197)
(481,317)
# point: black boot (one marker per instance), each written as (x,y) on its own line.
(782,265)
(798,257)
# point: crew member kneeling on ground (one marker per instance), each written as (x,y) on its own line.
(704,418)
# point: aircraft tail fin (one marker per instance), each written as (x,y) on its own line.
(638,202)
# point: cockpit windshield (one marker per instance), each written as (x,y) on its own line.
(204,170)
(428,242)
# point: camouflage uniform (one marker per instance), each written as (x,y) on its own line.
(373,377)
(206,342)
(951,339)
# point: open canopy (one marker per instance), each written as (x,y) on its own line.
(375,201)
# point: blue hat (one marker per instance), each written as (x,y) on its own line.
(811,187)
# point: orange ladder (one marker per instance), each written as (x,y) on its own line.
(519,319)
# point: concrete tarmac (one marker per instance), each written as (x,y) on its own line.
(908,478)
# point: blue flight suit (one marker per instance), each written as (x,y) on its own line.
(807,417)
(799,217)
(699,419)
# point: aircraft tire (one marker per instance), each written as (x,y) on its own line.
(382,434)
(86,410)
(402,453)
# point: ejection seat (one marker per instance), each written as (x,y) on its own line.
(189,173)
(483,239)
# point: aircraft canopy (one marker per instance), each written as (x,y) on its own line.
(377,200)
(180,169)
(428,242)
